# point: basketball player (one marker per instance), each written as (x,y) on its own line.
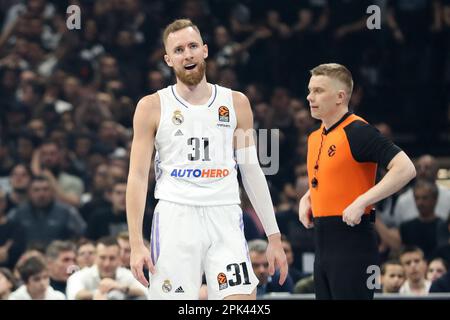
(197,225)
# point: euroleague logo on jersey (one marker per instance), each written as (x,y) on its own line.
(224,114)
(222,280)
(332,150)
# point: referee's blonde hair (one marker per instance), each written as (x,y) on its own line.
(335,71)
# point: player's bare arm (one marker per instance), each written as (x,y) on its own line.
(145,124)
(255,183)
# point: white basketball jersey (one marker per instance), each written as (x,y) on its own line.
(194,160)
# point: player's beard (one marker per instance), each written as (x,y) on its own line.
(192,78)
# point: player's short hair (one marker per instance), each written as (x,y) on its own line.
(178,24)
(335,71)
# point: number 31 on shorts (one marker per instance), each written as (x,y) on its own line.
(238,275)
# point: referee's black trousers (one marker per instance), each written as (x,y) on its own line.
(343,255)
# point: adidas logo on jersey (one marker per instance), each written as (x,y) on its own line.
(179,290)
(178,133)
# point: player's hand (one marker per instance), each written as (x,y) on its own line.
(276,257)
(140,257)
(353,213)
(305,212)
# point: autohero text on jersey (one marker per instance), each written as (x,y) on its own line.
(197,173)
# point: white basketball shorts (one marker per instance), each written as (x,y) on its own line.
(188,241)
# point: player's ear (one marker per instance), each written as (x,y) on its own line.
(205,51)
(168,61)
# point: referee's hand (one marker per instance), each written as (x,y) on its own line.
(305,212)
(353,213)
(139,257)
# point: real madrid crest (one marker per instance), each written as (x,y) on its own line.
(177,117)
(166,286)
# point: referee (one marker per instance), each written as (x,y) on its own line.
(343,155)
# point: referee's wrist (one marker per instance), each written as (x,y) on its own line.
(362,201)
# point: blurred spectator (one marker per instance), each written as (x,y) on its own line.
(436,269)
(97,196)
(443,251)
(123,239)
(346,27)
(442,284)
(110,222)
(227,52)
(392,276)
(6,159)
(34,8)
(7,283)
(61,259)
(253,228)
(267,283)
(427,231)
(85,253)
(45,219)
(413,262)
(294,273)
(34,275)
(301,239)
(25,146)
(109,137)
(30,252)
(406,209)
(19,180)
(82,147)
(155,81)
(48,161)
(37,128)
(11,237)
(105,280)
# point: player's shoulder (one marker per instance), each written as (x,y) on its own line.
(149,104)
(150,100)
(239,98)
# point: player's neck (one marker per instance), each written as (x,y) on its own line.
(195,95)
(329,121)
